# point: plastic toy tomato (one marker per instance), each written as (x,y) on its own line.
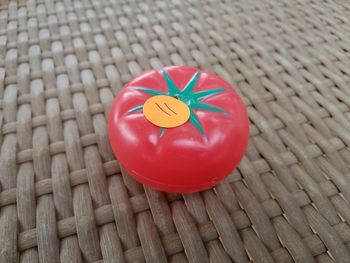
(178,129)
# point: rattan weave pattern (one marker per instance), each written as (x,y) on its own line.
(63,196)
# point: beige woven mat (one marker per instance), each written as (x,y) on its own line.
(63,196)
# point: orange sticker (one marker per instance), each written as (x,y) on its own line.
(166,111)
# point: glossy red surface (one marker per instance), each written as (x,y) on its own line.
(181,159)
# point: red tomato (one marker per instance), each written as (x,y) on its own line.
(206,142)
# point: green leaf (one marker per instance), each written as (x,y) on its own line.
(173,90)
(191,84)
(207,93)
(137,108)
(195,122)
(150,91)
(203,106)
(161,131)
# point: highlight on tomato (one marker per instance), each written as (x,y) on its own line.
(178,129)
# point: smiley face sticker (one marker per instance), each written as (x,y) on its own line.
(166,111)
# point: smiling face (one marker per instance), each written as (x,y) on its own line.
(166,111)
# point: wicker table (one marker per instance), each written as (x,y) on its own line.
(63,196)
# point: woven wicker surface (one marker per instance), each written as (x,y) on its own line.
(63,196)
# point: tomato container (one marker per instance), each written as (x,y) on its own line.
(178,129)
